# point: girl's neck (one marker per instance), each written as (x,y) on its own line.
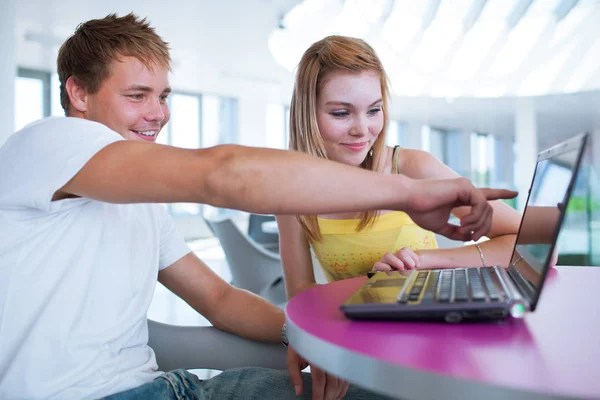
(387,169)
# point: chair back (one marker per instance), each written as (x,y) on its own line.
(444,243)
(196,347)
(252,267)
(270,241)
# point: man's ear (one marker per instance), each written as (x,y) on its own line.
(77,95)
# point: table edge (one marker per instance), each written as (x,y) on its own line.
(395,380)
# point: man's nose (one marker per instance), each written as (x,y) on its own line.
(155,111)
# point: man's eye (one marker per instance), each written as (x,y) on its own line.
(136,96)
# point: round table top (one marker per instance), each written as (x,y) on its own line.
(552,352)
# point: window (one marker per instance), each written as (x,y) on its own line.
(457,152)
(286,113)
(219,120)
(199,121)
(185,121)
(277,126)
(397,134)
(502,169)
(482,158)
(55,107)
(578,239)
(219,126)
(433,141)
(32,96)
(184,131)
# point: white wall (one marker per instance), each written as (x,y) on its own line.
(253,101)
(526,147)
(7,68)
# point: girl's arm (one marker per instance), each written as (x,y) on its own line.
(496,251)
(295,256)
(419,164)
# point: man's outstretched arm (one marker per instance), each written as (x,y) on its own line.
(251,179)
(272,181)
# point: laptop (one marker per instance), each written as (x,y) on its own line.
(484,293)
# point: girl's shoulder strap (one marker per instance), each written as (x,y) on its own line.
(395,159)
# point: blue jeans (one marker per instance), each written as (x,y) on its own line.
(240,383)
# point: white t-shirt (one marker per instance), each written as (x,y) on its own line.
(76,275)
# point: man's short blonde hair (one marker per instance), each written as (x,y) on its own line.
(87,55)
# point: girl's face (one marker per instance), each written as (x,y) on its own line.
(350,114)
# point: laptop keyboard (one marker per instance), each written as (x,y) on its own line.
(454,286)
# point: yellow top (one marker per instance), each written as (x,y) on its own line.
(344,253)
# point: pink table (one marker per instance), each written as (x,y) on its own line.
(551,353)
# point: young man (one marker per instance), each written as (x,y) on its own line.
(82,240)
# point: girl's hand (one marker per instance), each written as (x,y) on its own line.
(403,259)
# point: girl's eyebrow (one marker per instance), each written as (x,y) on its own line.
(346,104)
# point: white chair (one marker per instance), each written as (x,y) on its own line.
(252,267)
(267,239)
(445,243)
(192,347)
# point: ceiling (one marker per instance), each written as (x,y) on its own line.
(221,47)
(460,48)
(215,44)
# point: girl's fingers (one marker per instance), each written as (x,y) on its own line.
(393,261)
(381,266)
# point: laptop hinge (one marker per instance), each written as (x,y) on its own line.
(511,289)
(523,285)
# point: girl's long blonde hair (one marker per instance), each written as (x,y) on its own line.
(333,53)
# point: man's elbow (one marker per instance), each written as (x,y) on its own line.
(220,174)
(227,306)
(214,305)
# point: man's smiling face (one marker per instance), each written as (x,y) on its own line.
(132,101)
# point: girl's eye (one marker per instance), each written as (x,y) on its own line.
(374,110)
(339,113)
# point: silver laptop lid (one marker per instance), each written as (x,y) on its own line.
(553,180)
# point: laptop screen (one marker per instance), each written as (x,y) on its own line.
(535,250)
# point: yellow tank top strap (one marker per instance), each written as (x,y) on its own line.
(395,159)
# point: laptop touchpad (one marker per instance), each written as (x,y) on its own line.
(397,282)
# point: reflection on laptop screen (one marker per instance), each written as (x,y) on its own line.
(542,215)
